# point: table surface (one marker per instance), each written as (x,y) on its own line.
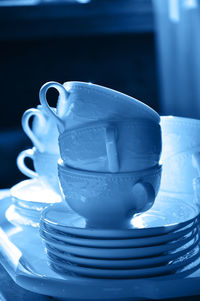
(10,291)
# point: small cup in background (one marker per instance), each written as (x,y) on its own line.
(45,165)
(43,132)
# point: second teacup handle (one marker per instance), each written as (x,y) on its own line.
(26,126)
(111,149)
(28,153)
(44,102)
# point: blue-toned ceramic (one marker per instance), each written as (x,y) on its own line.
(34,194)
(109,199)
(196,187)
(43,132)
(116,253)
(23,257)
(45,165)
(29,198)
(117,243)
(112,146)
(61,267)
(81,103)
(103,263)
(166,216)
(180,138)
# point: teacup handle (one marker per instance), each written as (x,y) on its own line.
(28,153)
(111,149)
(27,129)
(43,100)
(144,196)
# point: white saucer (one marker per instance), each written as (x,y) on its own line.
(63,267)
(167,215)
(29,198)
(124,263)
(34,194)
(116,243)
(117,253)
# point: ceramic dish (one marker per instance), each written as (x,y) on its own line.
(165,216)
(116,243)
(124,263)
(62,267)
(28,267)
(116,252)
(34,194)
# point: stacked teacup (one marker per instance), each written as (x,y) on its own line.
(109,172)
(110,146)
(45,153)
(33,195)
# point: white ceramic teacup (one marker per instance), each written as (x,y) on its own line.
(44,132)
(45,166)
(107,199)
(180,141)
(112,146)
(80,103)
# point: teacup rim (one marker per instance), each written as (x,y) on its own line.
(63,168)
(137,122)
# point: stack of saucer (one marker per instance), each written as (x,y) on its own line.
(162,241)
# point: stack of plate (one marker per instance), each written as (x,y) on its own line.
(162,241)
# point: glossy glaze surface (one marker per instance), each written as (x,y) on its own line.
(123,146)
(106,199)
(102,104)
(167,215)
(180,139)
(37,276)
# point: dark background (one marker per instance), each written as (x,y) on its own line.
(104,42)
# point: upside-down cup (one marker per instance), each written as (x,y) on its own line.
(109,200)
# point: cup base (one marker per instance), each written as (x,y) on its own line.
(110,224)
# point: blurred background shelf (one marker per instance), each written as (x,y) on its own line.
(34,19)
